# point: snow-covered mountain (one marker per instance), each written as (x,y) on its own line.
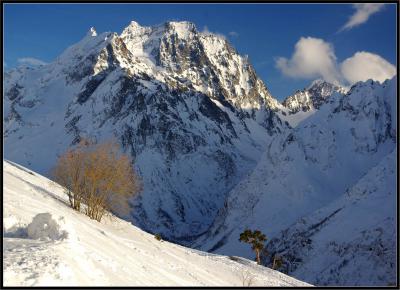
(312,169)
(46,243)
(184,104)
(304,103)
(356,234)
(312,97)
(217,153)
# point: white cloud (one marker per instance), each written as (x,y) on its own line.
(233,34)
(361,15)
(31,61)
(364,65)
(313,57)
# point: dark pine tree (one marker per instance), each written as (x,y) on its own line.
(256,239)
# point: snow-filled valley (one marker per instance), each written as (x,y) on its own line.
(46,243)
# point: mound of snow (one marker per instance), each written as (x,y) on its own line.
(13,228)
(9,223)
(43,226)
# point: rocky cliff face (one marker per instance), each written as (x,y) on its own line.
(188,108)
(312,97)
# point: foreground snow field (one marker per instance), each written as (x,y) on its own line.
(47,243)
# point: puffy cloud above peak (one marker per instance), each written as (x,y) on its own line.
(365,65)
(362,14)
(314,58)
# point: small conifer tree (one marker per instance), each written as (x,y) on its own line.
(256,239)
(158,237)
(277,263)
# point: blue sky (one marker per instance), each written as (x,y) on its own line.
(265,32)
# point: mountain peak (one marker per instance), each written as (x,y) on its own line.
(312,97)
(91,32)
(134,24)
(132,30)
(181,24)
(317,82)
(182,28)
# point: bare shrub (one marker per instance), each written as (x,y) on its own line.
(247,278)
(68,172)
(98,175)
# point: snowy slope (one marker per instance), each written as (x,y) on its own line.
(48,244)
(311,167)
(189,109)
(356,234)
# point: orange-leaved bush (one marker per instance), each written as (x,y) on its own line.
(98,176)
